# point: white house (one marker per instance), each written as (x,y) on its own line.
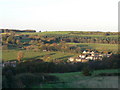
(89,58)
(97,57)
(84,60)
(89,55)
(11,63)
(71,59)
(78,59)
(101,55)
(84,52)
(92,52)
(108,55)
(82,56)
(44,50)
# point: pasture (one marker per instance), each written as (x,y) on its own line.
(77,80)
(30,54)
(76,33)
(97,46)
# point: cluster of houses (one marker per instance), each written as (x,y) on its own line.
(13,63)
(84,57)
(89,55)
(8,63)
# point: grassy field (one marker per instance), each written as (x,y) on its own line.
(67,33)
(107,47)
(77,80)
(73,79)
(12,55)
(45,33)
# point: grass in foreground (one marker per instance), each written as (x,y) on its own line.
(77,80)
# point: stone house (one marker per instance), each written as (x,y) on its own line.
(86,52)
(89,58)
(11,63)
(97,57)
(89,55)
(82,56)
(84,60)
(78,59)
(71,59)
(92,52)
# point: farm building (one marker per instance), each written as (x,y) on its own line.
(89,55)
(78,59)
(71,59)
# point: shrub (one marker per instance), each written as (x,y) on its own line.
(28,79)
(86,71)
(50,78)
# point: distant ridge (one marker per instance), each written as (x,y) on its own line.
(15,30)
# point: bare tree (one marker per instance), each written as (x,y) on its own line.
(20,55)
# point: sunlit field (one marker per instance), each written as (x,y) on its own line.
(12,55)
(107,47)
(76,33)
(42,60)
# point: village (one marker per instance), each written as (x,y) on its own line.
(86,56)
(89,55)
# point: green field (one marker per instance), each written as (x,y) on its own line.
(107,47)
(67,33)
(77,80)
(50,32)
(73,79)
(12,55)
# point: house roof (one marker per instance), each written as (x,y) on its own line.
(84,59)
(71,58)
(85,50)
(83,54)
(77,58)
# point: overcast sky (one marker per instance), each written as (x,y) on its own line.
(57,15)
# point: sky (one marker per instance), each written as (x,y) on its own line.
(59,15)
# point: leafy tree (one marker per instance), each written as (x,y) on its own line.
(86,71)
(20,56)
(18,42)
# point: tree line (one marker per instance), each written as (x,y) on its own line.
(14,30)
(30,73)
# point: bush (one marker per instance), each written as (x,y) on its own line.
(50,78)
(86,71)
(4,82)
(28,79)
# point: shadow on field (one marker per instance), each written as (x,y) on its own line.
(38,56)
(65,57)
(83,47)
